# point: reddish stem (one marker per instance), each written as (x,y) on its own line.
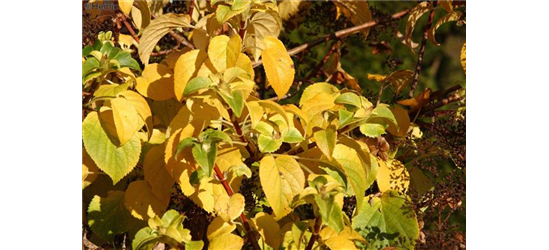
(128,26)
(243,218)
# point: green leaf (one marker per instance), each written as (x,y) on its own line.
(167,230)
(107,216)
(204,155)
(235,101)
(391,214)
(345,118)
(372,129)
(330,212)
(292,135)
(110,90)
(383,111)
(125,59)
(349,98)
(89,65)
(241,170)
(268,144)
(115,161)
(196,84)
(216,136)
(159,27)
(326,140)
(187,142)
(281,180)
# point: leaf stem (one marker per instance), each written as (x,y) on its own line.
(229,190)
(316,230)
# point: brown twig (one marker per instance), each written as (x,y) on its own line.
(321,64)
(229,190)
(241,136)
(316,230)
(428,25)
(122,17)
(163,52)
(343,33)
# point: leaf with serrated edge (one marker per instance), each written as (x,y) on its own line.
(159,27)
(226,242)
(229,208)
(351,164)
(281,180)
(126,119)
(224,51)
(115,161)
(326,140)
(156,82)
(107,216)
(142,203)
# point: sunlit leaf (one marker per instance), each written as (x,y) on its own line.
(141,202)
(372,130)
(261,25)
(126,119)
(326,140)
(413,17)
(226,242)
(229,208)
(159,27)
(357,11)
(224,51)
(89,169)
(392,175)
(278,65)
(352,166)
(219,227)
(107,216)
(185,69)
(268,228)
(462,57)
(156,82)
(452,16)
(156,174)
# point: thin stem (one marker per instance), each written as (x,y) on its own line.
(122,17)
(316,230)
(229,190)
(421,51)
(343,33)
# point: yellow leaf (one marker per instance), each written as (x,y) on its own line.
(126,119)
(281,180)
(268,228)
(326,140)
(446,5)
(142,203)
(419,101)
(171,59)
(400,79)
(357,11)
(125,6)
(219,227)
(244,62)
(256,112)
(185,69)
(289,8)
(228,157)
(278,65)
(159,27)
(142,108)
(343,240)
(392,175)
(156,82)
(261,25)
(452,16)
(462,58)
(126,41)
(226,242)
(403,121)
(89,169)
(376,77)
(156,174)
(224,51)
(229,208)
(413,17)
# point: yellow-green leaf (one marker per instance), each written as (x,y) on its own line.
(350,162)
(142,203)
(186,68)
(159,27)
(126,119)
(115,161)
(224,51)
(281,180)
(278,65)
(107,216)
